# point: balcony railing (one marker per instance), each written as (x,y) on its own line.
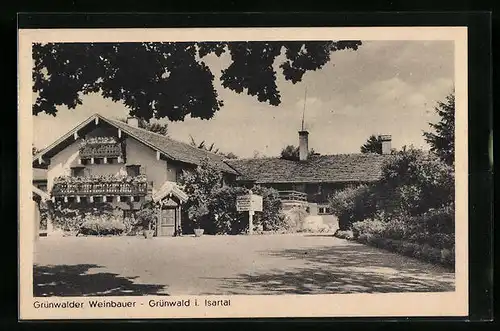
(293,196)
(101,150)
(109,188)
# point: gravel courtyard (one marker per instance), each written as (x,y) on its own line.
(266,264)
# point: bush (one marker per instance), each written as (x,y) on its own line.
(69,217)
(271,218)
(422,252)
(344,234)
(370,226)
(204,187)
(413,182)
(440,220)
(146,218)
(102,226)
(352,204)
(448,256)
(295,218)
(223,217)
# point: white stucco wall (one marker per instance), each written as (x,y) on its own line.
(172,171)
(61,163)
(137,153)
(155,170)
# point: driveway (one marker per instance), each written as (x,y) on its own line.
(266,264)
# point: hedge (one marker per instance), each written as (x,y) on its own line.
(423,252)
(102,227)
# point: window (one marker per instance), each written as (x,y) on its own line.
(97,199)
(85,161)
(77,171)
(135,199)
(133,170)
(112,160)
(129,214)
(98,161)
(323,210)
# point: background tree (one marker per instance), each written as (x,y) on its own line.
(229,155)
(291,152)
(203,145)
(151,126)
(372,145)
(442,139)
(210,148)
(155,80)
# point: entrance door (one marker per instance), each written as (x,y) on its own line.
(167,222)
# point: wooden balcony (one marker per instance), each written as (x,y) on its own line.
(101,150)
(292,196)
(61,189)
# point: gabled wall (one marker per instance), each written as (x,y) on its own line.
(157,171)
(61,163)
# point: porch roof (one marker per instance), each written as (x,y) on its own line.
(169,188)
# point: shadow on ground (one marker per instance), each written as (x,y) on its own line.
(74,280)
(343,269)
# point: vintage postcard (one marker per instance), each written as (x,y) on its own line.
(243,172)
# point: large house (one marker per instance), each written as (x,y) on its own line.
(311,179)
(106,160)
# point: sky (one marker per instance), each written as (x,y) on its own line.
(385,87)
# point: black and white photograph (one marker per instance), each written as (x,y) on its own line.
(179,176)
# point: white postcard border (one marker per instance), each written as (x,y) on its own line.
(334,305)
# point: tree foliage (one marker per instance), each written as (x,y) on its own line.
(200,185)
(442,137)
(212,205)
(169,79)
(291,152)
(150,126)
(372,145)
(412,183)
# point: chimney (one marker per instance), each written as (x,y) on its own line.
(303,145)
(386,143)
(133,121)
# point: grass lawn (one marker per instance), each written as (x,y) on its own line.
(266,264)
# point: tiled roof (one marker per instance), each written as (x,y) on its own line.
(324,168)
(173,149)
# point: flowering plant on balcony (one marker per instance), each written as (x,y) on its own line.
(101,147)
(99,140)
(101,179)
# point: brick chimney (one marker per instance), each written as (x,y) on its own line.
(386,143)
(303,145)
(133,121)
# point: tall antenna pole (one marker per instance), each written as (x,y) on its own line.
(304,110)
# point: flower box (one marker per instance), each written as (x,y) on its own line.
(101,147)
(100,185)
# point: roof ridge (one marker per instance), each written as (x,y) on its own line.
(315,156)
